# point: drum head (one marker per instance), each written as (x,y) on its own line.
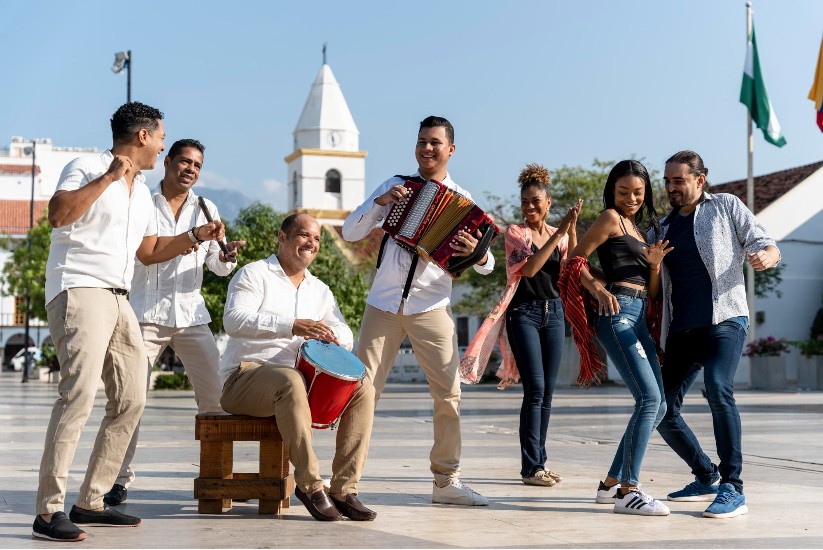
(333,359)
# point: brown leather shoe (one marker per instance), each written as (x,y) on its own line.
(352,508)
(319,505)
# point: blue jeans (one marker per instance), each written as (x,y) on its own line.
(716,349)
(628,344)
(536,330)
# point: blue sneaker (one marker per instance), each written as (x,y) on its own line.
(728,503)
(696,492)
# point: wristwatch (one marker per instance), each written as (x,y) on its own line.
(193,236)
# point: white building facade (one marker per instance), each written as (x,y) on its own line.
(19,192)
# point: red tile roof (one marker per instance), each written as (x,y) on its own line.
(362,251)
(769,187)
(14,215)
(18,169)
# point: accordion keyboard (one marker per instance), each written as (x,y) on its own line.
(418,210)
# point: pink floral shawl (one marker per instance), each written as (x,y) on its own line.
(518,240)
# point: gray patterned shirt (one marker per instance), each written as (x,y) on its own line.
(725,231)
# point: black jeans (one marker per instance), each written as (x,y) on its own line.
(717,350)
(536,331)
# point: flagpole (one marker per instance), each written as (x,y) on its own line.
(750,192)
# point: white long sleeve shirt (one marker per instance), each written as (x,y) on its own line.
(168,293)
(431,287)
(97,250)
(261,307)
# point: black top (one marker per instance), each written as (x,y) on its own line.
(691,284)
(543,284)
(623,259)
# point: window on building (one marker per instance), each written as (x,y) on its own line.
(462,331)
(333,181)
(294,190)
(19,310)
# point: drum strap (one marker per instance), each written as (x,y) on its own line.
(415,256)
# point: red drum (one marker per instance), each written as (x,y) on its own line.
(332,376)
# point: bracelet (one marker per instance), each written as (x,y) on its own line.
(193,236)
(655,268)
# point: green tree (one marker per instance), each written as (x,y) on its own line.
(258,224)
(24,270)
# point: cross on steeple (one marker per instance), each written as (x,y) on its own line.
(324,53)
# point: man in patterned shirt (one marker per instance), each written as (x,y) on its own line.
(705,321)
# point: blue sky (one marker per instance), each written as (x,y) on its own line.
(558,83)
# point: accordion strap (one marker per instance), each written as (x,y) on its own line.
(410,276)
(415,257)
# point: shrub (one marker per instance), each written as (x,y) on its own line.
(810,347)
(767,347)
(172,381)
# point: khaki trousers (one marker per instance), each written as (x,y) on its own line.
(434,342)
(266,390)
(96,335)
(197,349)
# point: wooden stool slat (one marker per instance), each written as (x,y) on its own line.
(218,484)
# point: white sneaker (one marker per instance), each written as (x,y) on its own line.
(457,493)
(639,503)
(606,495)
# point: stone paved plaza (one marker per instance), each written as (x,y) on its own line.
(783,472)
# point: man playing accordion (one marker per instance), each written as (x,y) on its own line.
(410,296)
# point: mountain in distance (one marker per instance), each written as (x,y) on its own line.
(229,203)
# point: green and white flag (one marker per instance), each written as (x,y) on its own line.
(753,95)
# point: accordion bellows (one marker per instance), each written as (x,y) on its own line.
(427,221)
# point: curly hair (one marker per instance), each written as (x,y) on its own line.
(534,175)
(132,117)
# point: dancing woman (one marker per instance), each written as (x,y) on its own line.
(529,318)
(631,269)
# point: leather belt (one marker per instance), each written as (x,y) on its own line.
(118,291)
(626,291)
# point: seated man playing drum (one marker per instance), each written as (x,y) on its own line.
(272,307)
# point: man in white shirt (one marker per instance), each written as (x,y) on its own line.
(102,218)
(166,297)
(272,307)
(420,311)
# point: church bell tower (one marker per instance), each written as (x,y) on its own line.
(326,170)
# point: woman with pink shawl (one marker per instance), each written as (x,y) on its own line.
(528,321)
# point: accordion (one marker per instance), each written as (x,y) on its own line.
(426,222)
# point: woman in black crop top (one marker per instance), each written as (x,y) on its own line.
(631,270)
(535,325)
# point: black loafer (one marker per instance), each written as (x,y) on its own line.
(352,508)
(109,517)
(319,505)
(60,528)
(116,496)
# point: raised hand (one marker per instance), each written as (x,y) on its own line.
(655,253)
(569,222)
(119,167)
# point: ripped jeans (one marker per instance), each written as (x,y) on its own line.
(627,342)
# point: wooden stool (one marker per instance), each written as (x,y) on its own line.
(218,484)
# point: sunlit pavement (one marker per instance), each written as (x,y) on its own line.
(783,473)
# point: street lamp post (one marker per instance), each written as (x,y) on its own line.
(122,60)
(27,362)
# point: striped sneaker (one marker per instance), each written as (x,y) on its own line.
(639,503)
